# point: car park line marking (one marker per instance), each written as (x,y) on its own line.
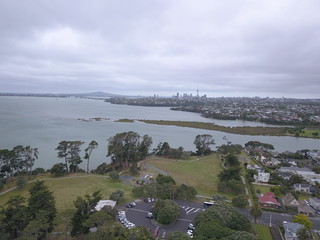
(186,220)
(190,210)
(197,210)
(138,210)
(187,208)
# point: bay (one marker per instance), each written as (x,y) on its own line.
(44,122)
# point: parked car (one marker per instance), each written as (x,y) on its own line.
(190,233)
(191,227)
(133,204)
(150,215)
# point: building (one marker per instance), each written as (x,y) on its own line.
(269,200)
(290,201)
(290,230)
(103,203)
(306,209)
(262,177)
(303,187)
(315,203)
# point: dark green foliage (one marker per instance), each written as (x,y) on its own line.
(58,169)
(230,149)
(304,234)
(14,218)
(240,201)
(21,182)
(221,221)
(164,149)
(203,144)
(125,148)
(114,175)
(184,192)
(166,211)
(232,160)
(241,235)
(117,195)
(42,200)
(230,173)
(84,205)
(162,179)
(88,151)
(38,171)
(177,236)
(255,144)
(104,168)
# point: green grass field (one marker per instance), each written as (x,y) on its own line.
(201,174)
(66,190)
(263,232)
(263,189)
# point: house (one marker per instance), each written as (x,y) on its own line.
(315,203)
(290,201)
(290,230)
(303,187)
(103,203)
(269,200)
(254,167)
(262,177)
(272,162)
(306,209)
(285,175)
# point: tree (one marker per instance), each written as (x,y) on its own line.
(21,182)
(117,195)
(37,228)
(203,143)
(304,234)
(42,199)
(303,220)
(229,173)
(14,216)
(58,169)
(240,201)
(92,145)
(232,160)
(162,179)
(255,212)
(177,236)
(114,175)
(145,146)
(162,149)
(125,148)
(166,211)
(74,155)
(185,192)
(31,154)
(84,205)
(63,152)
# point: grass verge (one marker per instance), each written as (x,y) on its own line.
(66,189)
(202,173)
(262,231)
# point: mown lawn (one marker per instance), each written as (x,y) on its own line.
(66,190)
(263,232)
(202,174)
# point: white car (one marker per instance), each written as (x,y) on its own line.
(133,204)
(190,233)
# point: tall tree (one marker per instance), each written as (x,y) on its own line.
(15,216)
(125,148)
(255,212)
(92,145)
(31,154)
(203,144)
(42,199)
(74,154)
(63,152)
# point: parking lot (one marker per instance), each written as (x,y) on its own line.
(138,216)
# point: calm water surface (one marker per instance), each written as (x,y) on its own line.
(44,122)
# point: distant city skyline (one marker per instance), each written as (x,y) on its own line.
(268,48)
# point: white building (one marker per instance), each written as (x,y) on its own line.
(262,177)
(103,203)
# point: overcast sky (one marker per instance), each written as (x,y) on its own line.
(223,48)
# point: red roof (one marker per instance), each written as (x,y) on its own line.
(269,198)
(269,194)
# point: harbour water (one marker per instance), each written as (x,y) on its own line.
(44,122)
